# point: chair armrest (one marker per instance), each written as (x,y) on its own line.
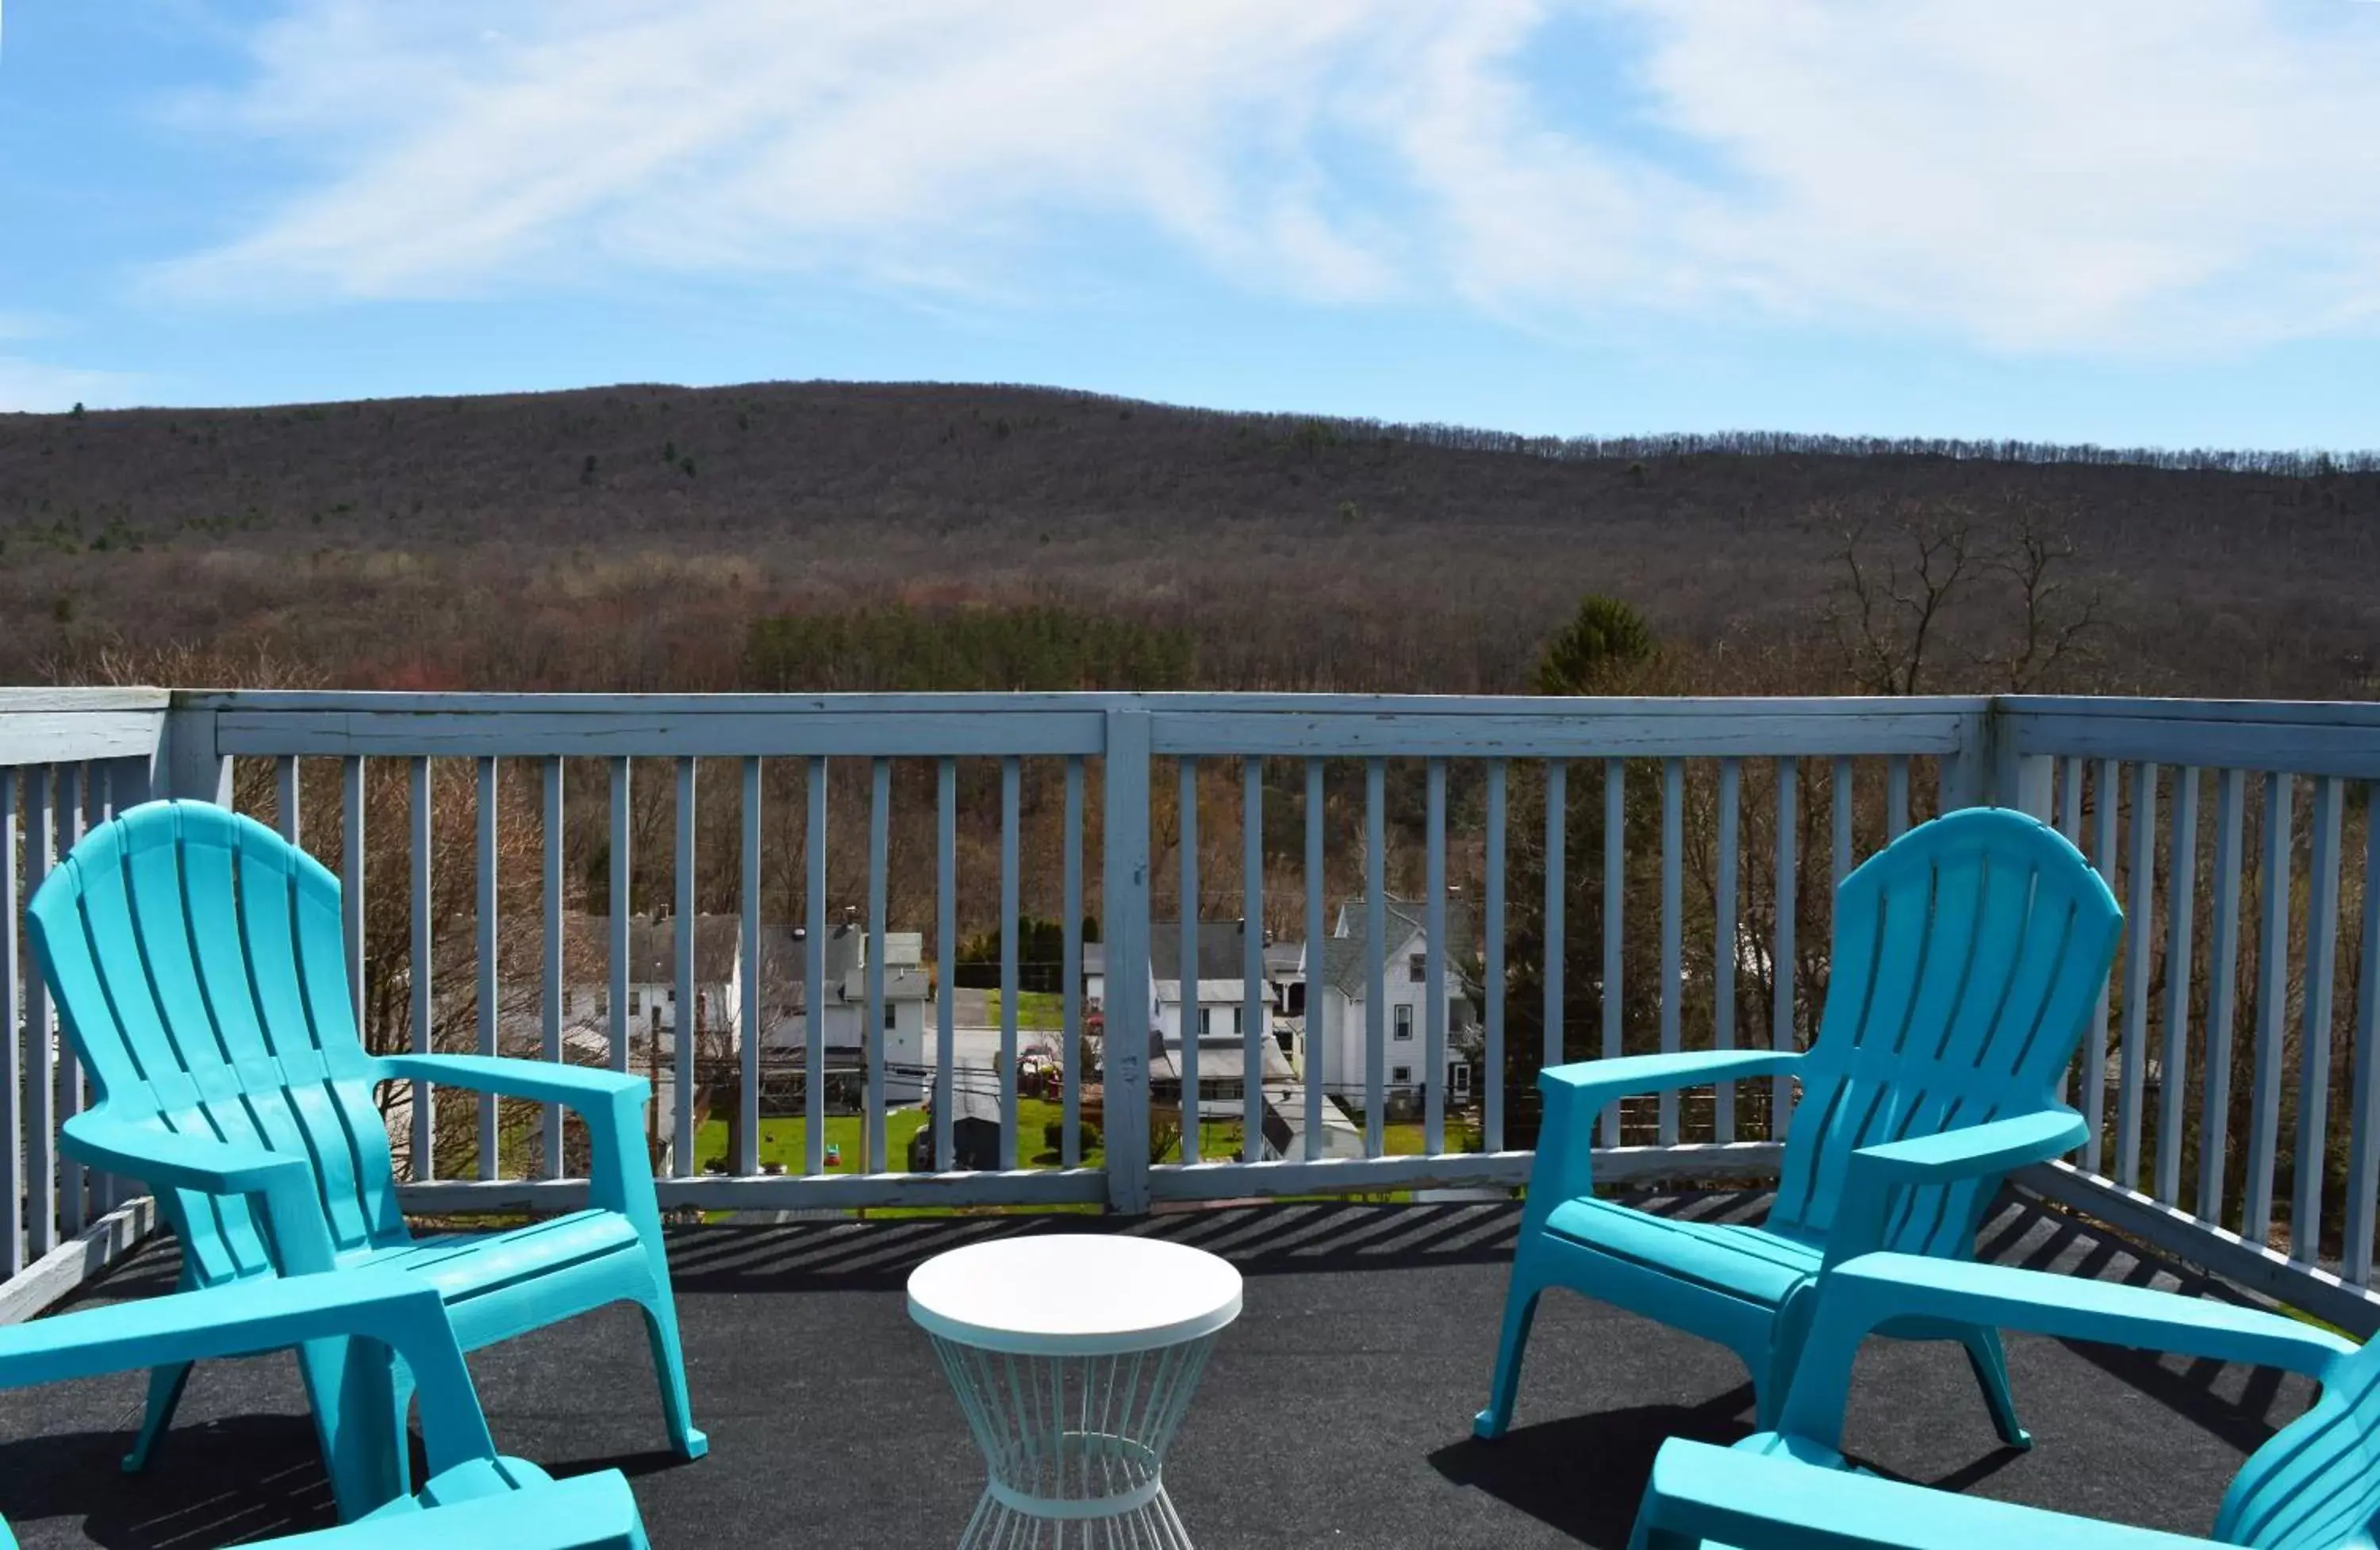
(1873,1173)
(247,1318)
(1757,1501)
(1601,1081)
(177,1159)
(580,1087)
(1873,1289)
(586,1512)
(1576,1093)
(612,1103)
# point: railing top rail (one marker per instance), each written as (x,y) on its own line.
(29,701)
(2253,712)
(1181,726)
(2297,737)
(291,701)
(67,726)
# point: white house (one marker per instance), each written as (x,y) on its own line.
(1337,1021)
(783,1001)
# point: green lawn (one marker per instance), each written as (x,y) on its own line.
(1039,1010)
(782,1140)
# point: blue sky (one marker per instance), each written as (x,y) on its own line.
(2129,222)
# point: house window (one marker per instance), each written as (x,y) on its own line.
(1404,1022)
(1401,1076)
(888,1017)
(1461,1081)
(569,1003)
(1417,968)
(636,1003)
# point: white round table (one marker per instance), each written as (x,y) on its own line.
(1074,1356)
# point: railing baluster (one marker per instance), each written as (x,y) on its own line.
(2070,800)
(490,1143)
(2272,1007)
(1843,794)
(1674,975)
(2107,798)
(1433,1072)
(1781,1032)
(2313,1042)
(1557,895)
(40,1086)
(2223,991)
(880,852)
(1010,990)
(1070,1151)
(551,1122)
(750,1024)
(688,997)
(2139,919)
(69,1070)
(12,1047)
(1186,939)
(623,905)
(351,880)
(1492,908)
(814,984)
(96,778)
(284,798)
(946,949)
(425,1002)
(2181,908)
(1615,918)
(1896,796)
(2363,1121)
(1255,1016)
(1724,955)
(1318,1037)
(1376,979)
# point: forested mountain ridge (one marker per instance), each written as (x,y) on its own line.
(651,537)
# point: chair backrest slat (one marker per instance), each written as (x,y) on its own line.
(1967,956)
(200,973)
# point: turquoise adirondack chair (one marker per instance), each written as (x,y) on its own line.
(2314,1487)
(1967,958)
(474,1500)
(197,964)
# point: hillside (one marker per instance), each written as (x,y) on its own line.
(630,538)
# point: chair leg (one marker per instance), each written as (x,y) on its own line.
(351,1384)
(1986,1355)
(1520,1312)
(400,1407)
(669,1370)
(166,1386)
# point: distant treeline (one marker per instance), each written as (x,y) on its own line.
(2305,464)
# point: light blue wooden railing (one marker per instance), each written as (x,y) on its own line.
(1825,780)
(69,757)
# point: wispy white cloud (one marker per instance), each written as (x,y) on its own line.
(2129,175)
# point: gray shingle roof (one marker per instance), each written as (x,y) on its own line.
(718,941)
(1222,950)
(1343,957)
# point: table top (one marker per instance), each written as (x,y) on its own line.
(1073,1294)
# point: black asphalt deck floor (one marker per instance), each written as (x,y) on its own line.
(1336,1413)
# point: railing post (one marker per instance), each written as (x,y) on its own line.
(1991,769)
(1124,909)
(187,766)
